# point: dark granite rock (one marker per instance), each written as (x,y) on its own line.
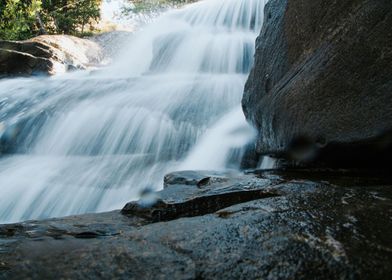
(15,63)
(199,195)
(196,178)
(321,87)
(320,224)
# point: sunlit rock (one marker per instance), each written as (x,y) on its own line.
(47,55)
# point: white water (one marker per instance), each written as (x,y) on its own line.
(267,162)
(92,142)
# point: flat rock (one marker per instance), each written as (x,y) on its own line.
(192,193)
(323,224)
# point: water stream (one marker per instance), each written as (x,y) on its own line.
(90,142)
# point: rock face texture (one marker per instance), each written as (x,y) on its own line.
(271,225)
(321,81)
(47,54)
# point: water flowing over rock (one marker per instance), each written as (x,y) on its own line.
(92,142)
(89,142)
(321,80)
(47,54)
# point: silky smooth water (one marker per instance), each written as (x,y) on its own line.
(89,142)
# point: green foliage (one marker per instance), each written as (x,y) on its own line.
(21,19)
(18,18)
(70,16)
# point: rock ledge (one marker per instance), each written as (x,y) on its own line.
(323,224)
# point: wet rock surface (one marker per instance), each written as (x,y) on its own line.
(321,86)
(47,55)
(323,224)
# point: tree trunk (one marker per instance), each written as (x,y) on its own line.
(40,24)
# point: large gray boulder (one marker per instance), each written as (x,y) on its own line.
(48,55)
(321,84)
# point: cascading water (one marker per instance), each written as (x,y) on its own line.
(91,142)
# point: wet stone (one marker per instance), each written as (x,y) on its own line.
(278,224)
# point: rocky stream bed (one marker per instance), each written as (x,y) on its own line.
(319,95)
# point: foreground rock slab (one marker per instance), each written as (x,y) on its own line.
(323,224)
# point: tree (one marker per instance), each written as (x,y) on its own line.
(22,19)
(18,18)
(70,16)
(85,12)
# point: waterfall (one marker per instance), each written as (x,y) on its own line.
(90,142)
